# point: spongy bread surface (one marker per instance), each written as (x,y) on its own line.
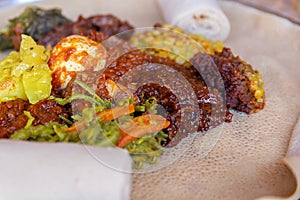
(246,162)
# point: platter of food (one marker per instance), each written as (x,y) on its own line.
(155,100)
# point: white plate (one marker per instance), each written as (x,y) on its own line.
(246,163)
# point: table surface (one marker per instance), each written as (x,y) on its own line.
(289,9)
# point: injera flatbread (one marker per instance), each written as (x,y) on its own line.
(247,161)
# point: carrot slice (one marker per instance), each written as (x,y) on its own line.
(104,116)
(114,113)
(145,124)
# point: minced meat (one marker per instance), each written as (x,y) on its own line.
(107,25)
(12,117)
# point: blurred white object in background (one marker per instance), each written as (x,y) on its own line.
(197,16)
(15,2)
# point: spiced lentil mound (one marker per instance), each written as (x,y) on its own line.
(243,86)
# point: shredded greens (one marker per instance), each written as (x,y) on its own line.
(145,149)
(100,134)
(65,101)
(30,119)
(51,132)
(34,21)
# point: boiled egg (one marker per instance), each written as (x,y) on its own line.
(72,54)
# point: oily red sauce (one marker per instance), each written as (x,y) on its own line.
(46,111)
(169,92)
(12,117)
(105,25)
(134,66)
(237,84)
(67,53)
(164,92)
